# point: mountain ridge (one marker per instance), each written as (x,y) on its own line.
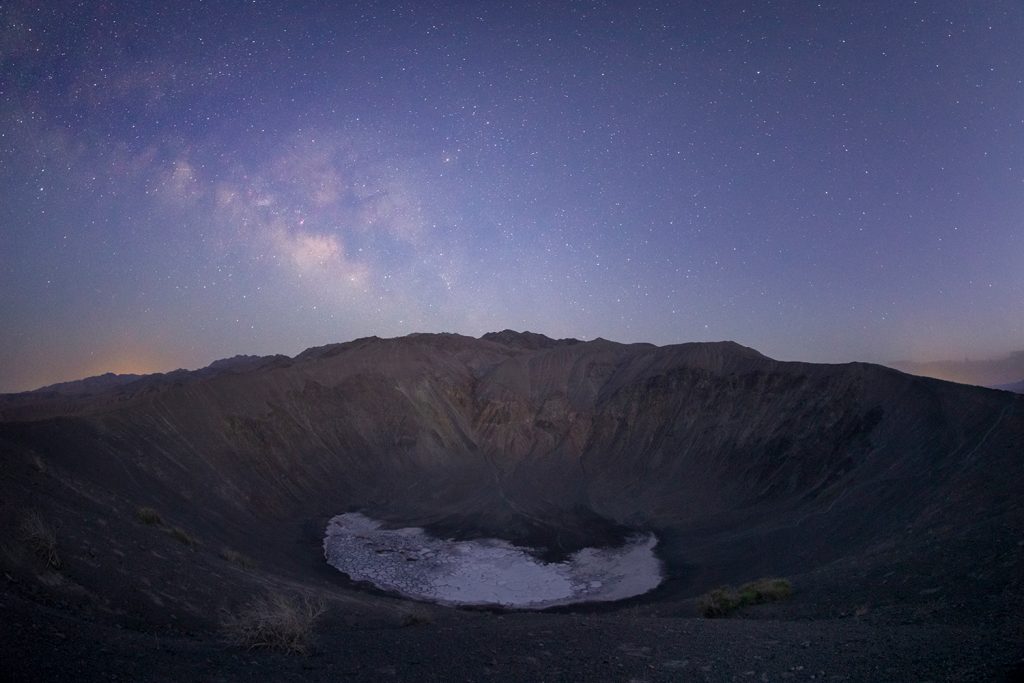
(1015,387)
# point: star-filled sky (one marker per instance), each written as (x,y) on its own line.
(183,181)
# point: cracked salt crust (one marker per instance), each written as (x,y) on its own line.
(486,571)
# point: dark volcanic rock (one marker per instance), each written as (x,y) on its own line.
(885,497)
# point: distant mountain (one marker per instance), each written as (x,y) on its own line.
(1016,387)
(128,384)
(984,373)
(89,385)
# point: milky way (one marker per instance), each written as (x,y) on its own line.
(186,181)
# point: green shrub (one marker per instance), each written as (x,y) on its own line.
(275,622)
(41,538)
(718,603)
(149,516)
(722,602)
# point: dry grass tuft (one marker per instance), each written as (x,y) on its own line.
(149,516)
(721,602)
(235,557)
(183,536)
(41,538)
(275,622)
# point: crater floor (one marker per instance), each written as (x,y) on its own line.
(486,571)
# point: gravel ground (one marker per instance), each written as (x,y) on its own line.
(50,644)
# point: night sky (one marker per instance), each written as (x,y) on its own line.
(186,181)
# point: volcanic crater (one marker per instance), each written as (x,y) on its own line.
(890,502)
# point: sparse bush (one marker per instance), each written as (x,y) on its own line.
(235,557)
(275,622)
(183,536)
(149,516)
(41,538)
(718,603)
(724,601)
(765,590)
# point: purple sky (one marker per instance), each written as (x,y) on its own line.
(186,181)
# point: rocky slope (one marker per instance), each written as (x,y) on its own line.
(881,493)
